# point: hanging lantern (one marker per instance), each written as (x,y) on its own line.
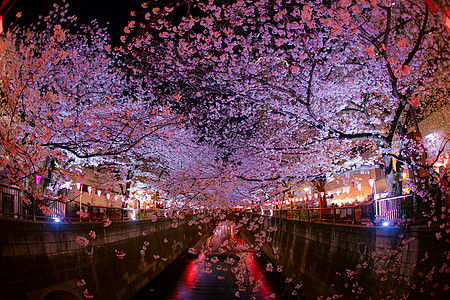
(38,178)
(67,185)
(329,194)
(322,194)
(89,190)
(358,187)
(78,186)
(108,195)
(316,195)
(431,6)
(99,193)
(116,197)
(447,20)
(347,190)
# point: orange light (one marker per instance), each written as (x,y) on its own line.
(447,20)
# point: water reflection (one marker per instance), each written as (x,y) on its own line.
(224,268)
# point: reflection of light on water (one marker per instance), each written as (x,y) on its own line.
(256,271)
(190,278)
(209,272)
(191,274)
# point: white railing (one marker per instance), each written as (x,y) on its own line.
(394,208)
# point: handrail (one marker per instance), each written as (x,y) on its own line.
(390,209)
(12,206)
(344,214)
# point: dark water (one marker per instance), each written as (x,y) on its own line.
(211,274)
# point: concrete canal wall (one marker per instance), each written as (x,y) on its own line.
(43,261)
(318,255)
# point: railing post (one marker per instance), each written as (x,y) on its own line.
(353,215)
(34,209)
(375,203)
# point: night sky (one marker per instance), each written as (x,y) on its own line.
(116,12)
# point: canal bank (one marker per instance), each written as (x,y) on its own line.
(41,260)
(349,261)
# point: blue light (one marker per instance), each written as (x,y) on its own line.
(57,220)
(385,223)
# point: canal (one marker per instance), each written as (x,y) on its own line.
(221,266)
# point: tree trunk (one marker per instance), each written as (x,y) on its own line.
(319,185)
(392,176)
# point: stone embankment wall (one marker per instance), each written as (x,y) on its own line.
(43,261)
(318,255)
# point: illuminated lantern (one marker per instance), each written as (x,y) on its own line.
(38,178)
(447,20)
(347,190)
(371,182)
(316,195)
(78,186)
(310,197)
(358,187)
(99,193)
(115,197)
(67,184)
(108,195)
(431,6)
(89,190)
(329,194)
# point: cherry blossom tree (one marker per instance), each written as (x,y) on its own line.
(294,89)
(67,103)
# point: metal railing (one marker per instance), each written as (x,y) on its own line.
(10,200)
(344,214)
(395,208)
(13,206)
(398,209)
